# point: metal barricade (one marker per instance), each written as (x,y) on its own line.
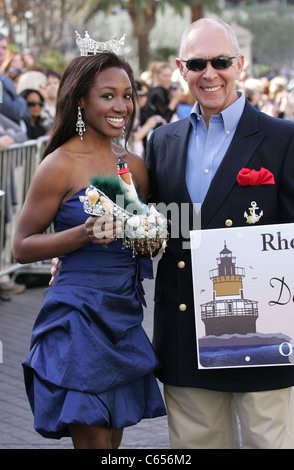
(17,166)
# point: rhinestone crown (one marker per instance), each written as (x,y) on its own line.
(88,46)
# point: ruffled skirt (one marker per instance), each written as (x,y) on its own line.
(91,361)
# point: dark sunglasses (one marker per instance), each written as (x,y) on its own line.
(218,63)
(32,104)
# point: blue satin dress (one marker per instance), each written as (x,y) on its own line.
(90,360)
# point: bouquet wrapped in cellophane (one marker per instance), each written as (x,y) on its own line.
(118,197)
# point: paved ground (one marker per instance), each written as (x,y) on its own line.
(16,421)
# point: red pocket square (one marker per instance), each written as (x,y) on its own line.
(247,177)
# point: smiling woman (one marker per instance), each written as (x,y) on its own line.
(90,371)
(110,100)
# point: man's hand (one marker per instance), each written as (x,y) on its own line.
(53,270)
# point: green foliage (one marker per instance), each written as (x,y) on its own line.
(12,47)
(178,5)
(162,54)
(53,59)
(261,70)
(272,28)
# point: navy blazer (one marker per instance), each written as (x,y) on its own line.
(259,141)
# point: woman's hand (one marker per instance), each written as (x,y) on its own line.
(102,229)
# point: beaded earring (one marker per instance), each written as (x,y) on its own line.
(80,125)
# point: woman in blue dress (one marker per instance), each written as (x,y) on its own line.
(90,370)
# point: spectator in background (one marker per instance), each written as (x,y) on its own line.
(12,105)
(10,132)
(48,112)
(278,104)
(187,100)
(3,48)
(12,109)
(253,91)
(34,123)
(148,76)
(164,97)
(13,66)
(141,132)
(33,80)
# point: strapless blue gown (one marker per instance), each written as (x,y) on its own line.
(90,360)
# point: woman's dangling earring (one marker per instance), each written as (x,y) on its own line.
(80,125)
(123,136)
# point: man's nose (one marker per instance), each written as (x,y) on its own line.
(209,71)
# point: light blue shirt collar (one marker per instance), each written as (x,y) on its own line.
(231,115)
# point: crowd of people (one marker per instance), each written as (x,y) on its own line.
(27,110)
(28,96)
(166,97)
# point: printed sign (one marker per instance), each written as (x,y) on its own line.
(243,292)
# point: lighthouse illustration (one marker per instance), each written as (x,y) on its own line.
(229,312)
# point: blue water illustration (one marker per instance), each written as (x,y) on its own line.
(262,350)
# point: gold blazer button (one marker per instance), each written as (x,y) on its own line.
(229,223)
(181,264)
(183,307)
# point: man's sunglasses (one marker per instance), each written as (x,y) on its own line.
(218,63)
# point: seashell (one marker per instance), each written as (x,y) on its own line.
(154,211)
(93,196)
(107,204)
(152,233)
(134,221)
(140,231)
(151,219)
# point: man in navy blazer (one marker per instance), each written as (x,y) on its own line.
(196,161)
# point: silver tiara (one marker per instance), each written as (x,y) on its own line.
(88,46)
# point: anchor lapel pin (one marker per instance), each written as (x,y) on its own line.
(253,216)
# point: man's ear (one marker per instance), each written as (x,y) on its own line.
(240,65)
(183,70)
